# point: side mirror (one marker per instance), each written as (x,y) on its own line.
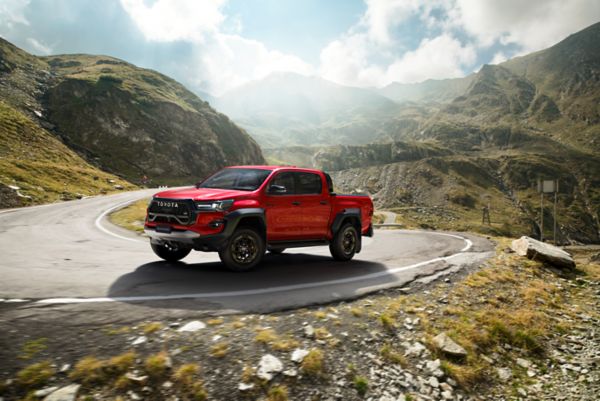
(277,189)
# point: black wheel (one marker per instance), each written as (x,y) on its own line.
(170,253)
(343,246)
(277,251)
(244,250)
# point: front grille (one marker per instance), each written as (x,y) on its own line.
(171,211)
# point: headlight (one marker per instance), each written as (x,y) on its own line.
(218,206)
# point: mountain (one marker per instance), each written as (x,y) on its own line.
(437,90)
(35,166)
(291,109)
(451,147)
(123,119)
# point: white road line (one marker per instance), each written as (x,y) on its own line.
(107,211)
(261,291)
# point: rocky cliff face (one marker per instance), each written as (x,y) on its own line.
(123,119)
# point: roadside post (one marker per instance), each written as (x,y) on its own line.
(547,186)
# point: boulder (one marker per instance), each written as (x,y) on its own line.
(68,393)
(268,366)
(540,251)
(448,346)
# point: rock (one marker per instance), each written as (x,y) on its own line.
(448,346)
(267,366)
(524,363)
(67,393)
(45,391)
(167,385)
(309,331)
(433,382)
(134,396)
(536,250)
(504,374)
(298,355)
(192,326)
(118,186)
(135,378)
(432,366)
(415,349)
(139,340)
(65,367)
(290,372)
(245,387)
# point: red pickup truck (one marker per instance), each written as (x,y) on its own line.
(243,211)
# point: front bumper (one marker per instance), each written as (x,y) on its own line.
(188,239)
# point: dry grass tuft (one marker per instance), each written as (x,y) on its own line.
(278,393)
(313,363)
(35,375)
(157,365)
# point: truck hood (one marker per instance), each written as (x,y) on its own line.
(200,194)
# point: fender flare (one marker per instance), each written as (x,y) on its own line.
(353,213)
(232,220)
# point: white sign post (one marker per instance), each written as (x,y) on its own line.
(547,186)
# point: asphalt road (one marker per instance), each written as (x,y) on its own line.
(69,254)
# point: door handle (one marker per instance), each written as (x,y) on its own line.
(323,202)
(296,203)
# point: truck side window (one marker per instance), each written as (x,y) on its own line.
(308,184)
(329,183)
(282,180)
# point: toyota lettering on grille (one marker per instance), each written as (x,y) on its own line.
(168,204)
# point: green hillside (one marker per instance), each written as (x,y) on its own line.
(122,119)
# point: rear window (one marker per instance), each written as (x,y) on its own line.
(308,184)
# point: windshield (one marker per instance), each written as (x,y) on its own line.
(241,179)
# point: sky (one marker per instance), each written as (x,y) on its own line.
(214,46)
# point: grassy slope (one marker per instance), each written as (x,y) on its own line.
(42,166)
(131,217)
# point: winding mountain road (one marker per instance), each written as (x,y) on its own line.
(70,254)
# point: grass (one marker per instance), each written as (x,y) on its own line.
(219,350)
(276,341)
(131,217)
(42,166)
(35,375)
(266,336)
(389,354)
(277,393)
(214,322)
(91,370)
(313,363)
(186,374)
(361,385)
(157,365)
(388,322)
(33,347)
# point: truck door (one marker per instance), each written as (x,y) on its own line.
(314,205)
(283,219)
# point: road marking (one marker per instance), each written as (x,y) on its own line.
(107,211)
(268,290)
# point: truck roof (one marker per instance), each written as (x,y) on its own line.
(277,168)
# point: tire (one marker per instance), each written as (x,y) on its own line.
(170,254)
(277,251)
(343,246)
(243,251)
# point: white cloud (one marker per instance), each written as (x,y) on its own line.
(171,20)
(498,58)
(39,47)
(437,58)
(368,54)
(532,24)
(12,12)
(224,59)
(227,61)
